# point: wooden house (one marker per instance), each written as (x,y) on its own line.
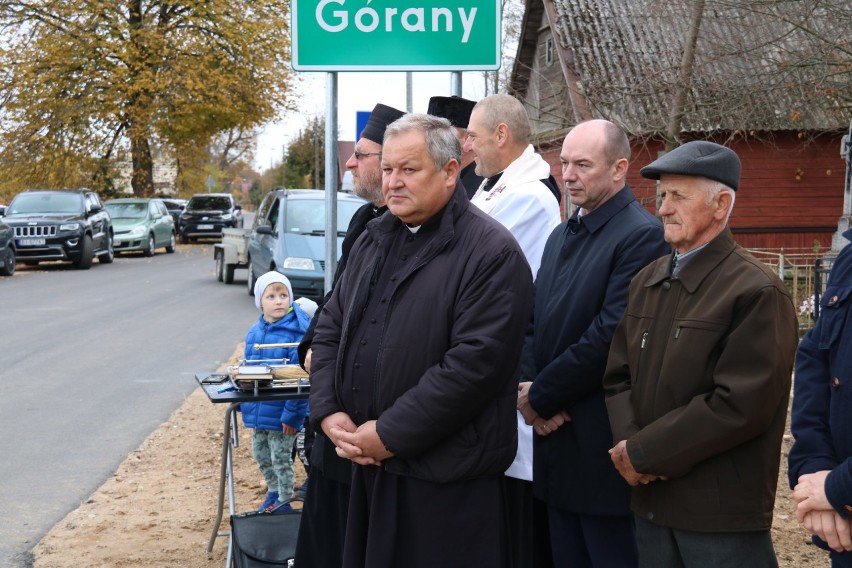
(765,85)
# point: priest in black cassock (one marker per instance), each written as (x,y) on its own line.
(323,522)
(415,365)
(457,110)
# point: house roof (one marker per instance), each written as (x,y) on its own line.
(760,66)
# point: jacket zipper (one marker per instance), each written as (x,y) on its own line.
(645,333)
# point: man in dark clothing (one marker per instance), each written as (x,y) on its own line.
(323,524)
(415,365)
(581,292)
(698,378)
(457,110)
(821,457)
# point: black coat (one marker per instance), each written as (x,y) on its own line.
(362,216)
(581,293)
(470,179)
(324,456)
(446,375)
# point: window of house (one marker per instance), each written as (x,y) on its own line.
(548,51)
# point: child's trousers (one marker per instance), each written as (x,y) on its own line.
(272,452)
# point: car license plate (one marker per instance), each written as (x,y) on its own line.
(31,242)
(205,227)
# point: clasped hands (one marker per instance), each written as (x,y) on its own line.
(817,515)
(546,427)
(361,444)
(621,460)
(542,426)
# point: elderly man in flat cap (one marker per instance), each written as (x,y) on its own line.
(698,378)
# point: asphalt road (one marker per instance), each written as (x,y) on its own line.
(91,362)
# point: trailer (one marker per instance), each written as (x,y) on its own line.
(231,253)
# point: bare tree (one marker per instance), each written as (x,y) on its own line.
(512,17)
(687,68)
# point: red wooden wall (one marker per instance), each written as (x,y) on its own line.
(790,194)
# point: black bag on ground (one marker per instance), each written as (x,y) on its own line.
(262,539)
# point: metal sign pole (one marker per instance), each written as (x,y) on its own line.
(456,83)
(409,97)
(330,179)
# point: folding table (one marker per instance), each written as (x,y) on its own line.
(219,389)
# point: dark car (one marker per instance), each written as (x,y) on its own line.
(69,225)
(7,250)
(289,236)
(207,214)
(176,207)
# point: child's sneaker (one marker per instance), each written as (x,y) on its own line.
(269,502)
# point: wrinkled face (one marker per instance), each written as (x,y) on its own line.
(414,188)
(365,165)
(275,301)
(590,178)
(482,141)
(467,155)
(689,220)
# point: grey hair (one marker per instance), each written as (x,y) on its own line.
(442,144)
(508,110)
(714,188)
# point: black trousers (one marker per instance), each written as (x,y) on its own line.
(323,526)
(528,526)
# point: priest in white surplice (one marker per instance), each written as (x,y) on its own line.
(519,193)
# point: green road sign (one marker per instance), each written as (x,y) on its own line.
(393,35)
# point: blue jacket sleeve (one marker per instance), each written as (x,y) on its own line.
(838,487)
(820,421)
(294,413)
(813,449)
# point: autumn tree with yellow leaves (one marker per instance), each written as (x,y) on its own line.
(84,80)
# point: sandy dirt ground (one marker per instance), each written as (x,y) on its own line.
(158,509)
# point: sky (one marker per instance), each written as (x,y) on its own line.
(356,92)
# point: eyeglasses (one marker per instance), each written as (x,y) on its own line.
(359,154)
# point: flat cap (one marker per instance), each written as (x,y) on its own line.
(455,109)
(698,158)
(381,116)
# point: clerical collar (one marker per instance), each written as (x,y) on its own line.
(413,229)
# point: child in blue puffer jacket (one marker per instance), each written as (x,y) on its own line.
(275,423)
